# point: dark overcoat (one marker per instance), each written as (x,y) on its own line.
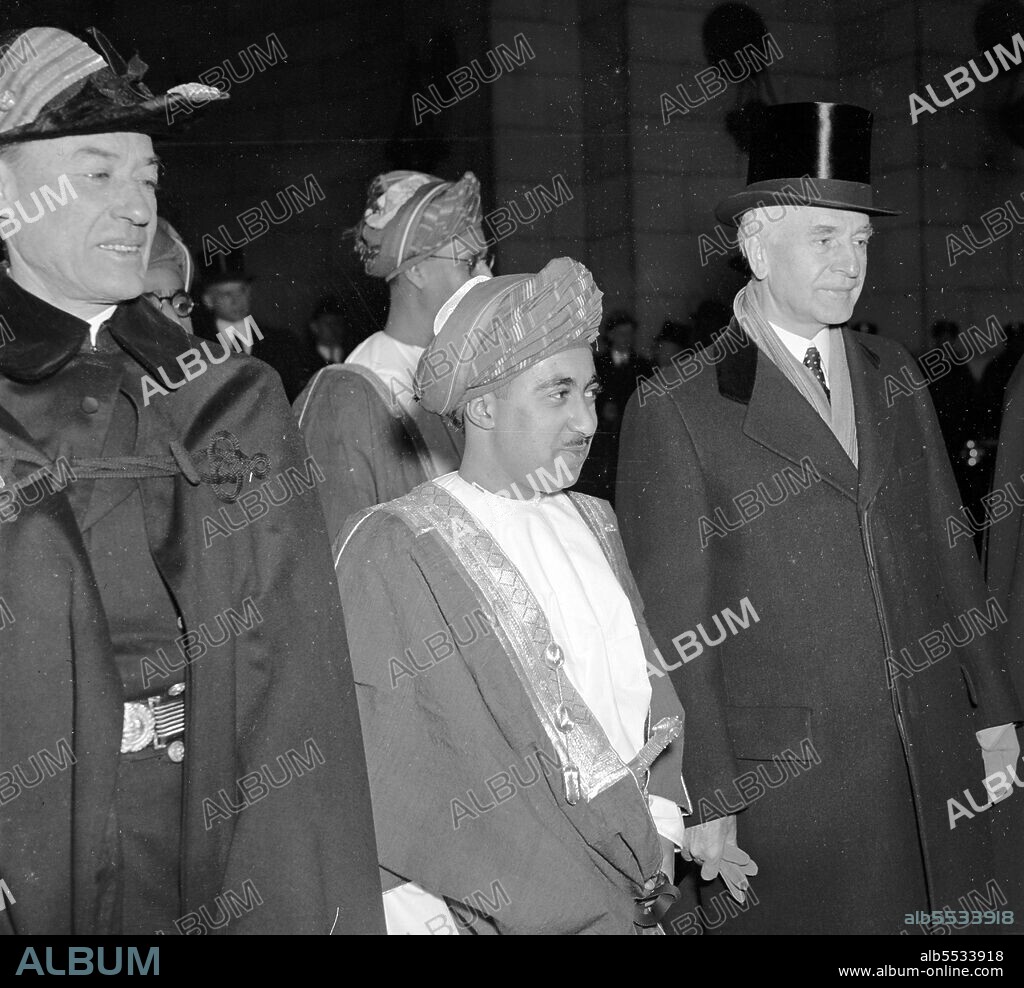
(825,717)
(308,848)
(1004,518)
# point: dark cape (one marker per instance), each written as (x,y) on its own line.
(269,690)
(825,723)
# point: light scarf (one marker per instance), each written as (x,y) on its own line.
(839,416)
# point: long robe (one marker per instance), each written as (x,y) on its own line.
(371,448)
(464,770)
(825,721)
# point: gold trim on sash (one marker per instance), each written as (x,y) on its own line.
(523,629)
(601,522)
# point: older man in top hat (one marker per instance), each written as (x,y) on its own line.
(422,235)
(845,712)
(183,655)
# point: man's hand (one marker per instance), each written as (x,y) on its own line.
(735,866)
(1000,750)
(705,844)
(713,846)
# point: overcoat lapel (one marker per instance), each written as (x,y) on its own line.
(875,432)
(778,417)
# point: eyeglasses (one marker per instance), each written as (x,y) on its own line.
(181,301)
(471,262)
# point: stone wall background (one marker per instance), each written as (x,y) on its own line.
(586,108)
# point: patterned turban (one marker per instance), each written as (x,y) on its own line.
(502,326)
(410,215)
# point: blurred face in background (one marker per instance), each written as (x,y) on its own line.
(229,300)
(328,328)
(164,289)
(620,337)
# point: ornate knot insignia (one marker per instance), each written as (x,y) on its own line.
(226,467)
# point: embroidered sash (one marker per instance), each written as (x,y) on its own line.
(590,764)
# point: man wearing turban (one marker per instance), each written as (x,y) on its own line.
(422,235)
(524,771)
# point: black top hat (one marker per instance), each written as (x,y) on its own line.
(223,267)
(808,154)
(54,85)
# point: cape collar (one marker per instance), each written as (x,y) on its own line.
(45,338)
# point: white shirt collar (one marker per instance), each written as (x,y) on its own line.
(797,345)
(96,323)
(233,331)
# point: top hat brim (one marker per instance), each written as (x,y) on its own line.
(831,194)
(210,279)
(153,116)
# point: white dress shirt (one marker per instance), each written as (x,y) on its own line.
(797,345)
(392,361)
(230,333)
(97,322)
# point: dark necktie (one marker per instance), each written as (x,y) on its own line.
(812,361)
